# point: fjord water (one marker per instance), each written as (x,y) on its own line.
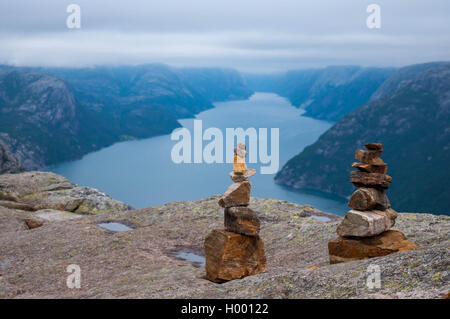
(141,172)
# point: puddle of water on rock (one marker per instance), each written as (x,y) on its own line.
(321,218)
(196,259)
(115,226)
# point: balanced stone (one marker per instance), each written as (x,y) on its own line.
(238,194)
(242,220)
(232,256)
(242,177)
(369,157)
(374,146)
(371,168)
(369,198)
(347,249)
(361,179)
(363,224)
(239,166)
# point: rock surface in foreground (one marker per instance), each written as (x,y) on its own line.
(138,264)
(232,256)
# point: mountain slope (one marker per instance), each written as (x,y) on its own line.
(218,84)
(54,115)
(412,123)
(328,93)
(8,162)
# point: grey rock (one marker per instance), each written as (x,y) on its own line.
(237,178)
(366,223)
(44,190)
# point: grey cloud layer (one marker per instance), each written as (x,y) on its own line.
(263,35)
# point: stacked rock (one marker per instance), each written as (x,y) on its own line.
(236,251)
(365,230)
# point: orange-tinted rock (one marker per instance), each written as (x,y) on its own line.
(369,157)
(447,296)
(238,194)
(346,249)
(371,168)
(33,223)
(242,220)
(231,256)
(368,199)
(374,146)
(239,166)
(362,179)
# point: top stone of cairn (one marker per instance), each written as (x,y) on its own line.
(239,166)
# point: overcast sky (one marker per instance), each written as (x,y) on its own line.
(250,35)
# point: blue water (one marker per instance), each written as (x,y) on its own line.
(141,173)
(192,257)
(115,226)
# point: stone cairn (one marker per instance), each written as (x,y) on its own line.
(236,251)
(365,230)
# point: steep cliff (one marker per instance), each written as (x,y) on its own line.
(413,125)
(8,162)
(54,115)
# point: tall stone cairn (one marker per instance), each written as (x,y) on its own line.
(365,230)
(236,251)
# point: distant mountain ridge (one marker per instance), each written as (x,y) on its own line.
(218,84)
(327,94)
(411,118)
(50,115)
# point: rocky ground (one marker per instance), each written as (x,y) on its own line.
(143,262)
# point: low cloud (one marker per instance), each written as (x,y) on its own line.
(253,36)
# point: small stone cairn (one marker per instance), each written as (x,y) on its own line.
(236,251)
(365,230)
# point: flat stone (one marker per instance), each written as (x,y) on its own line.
(242,220)
(369,157)
(364,224)
(347,249)
(238,194)
(374,146)
(232,256)
(371,168)
(237,178)
(362,179)
(369,199)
